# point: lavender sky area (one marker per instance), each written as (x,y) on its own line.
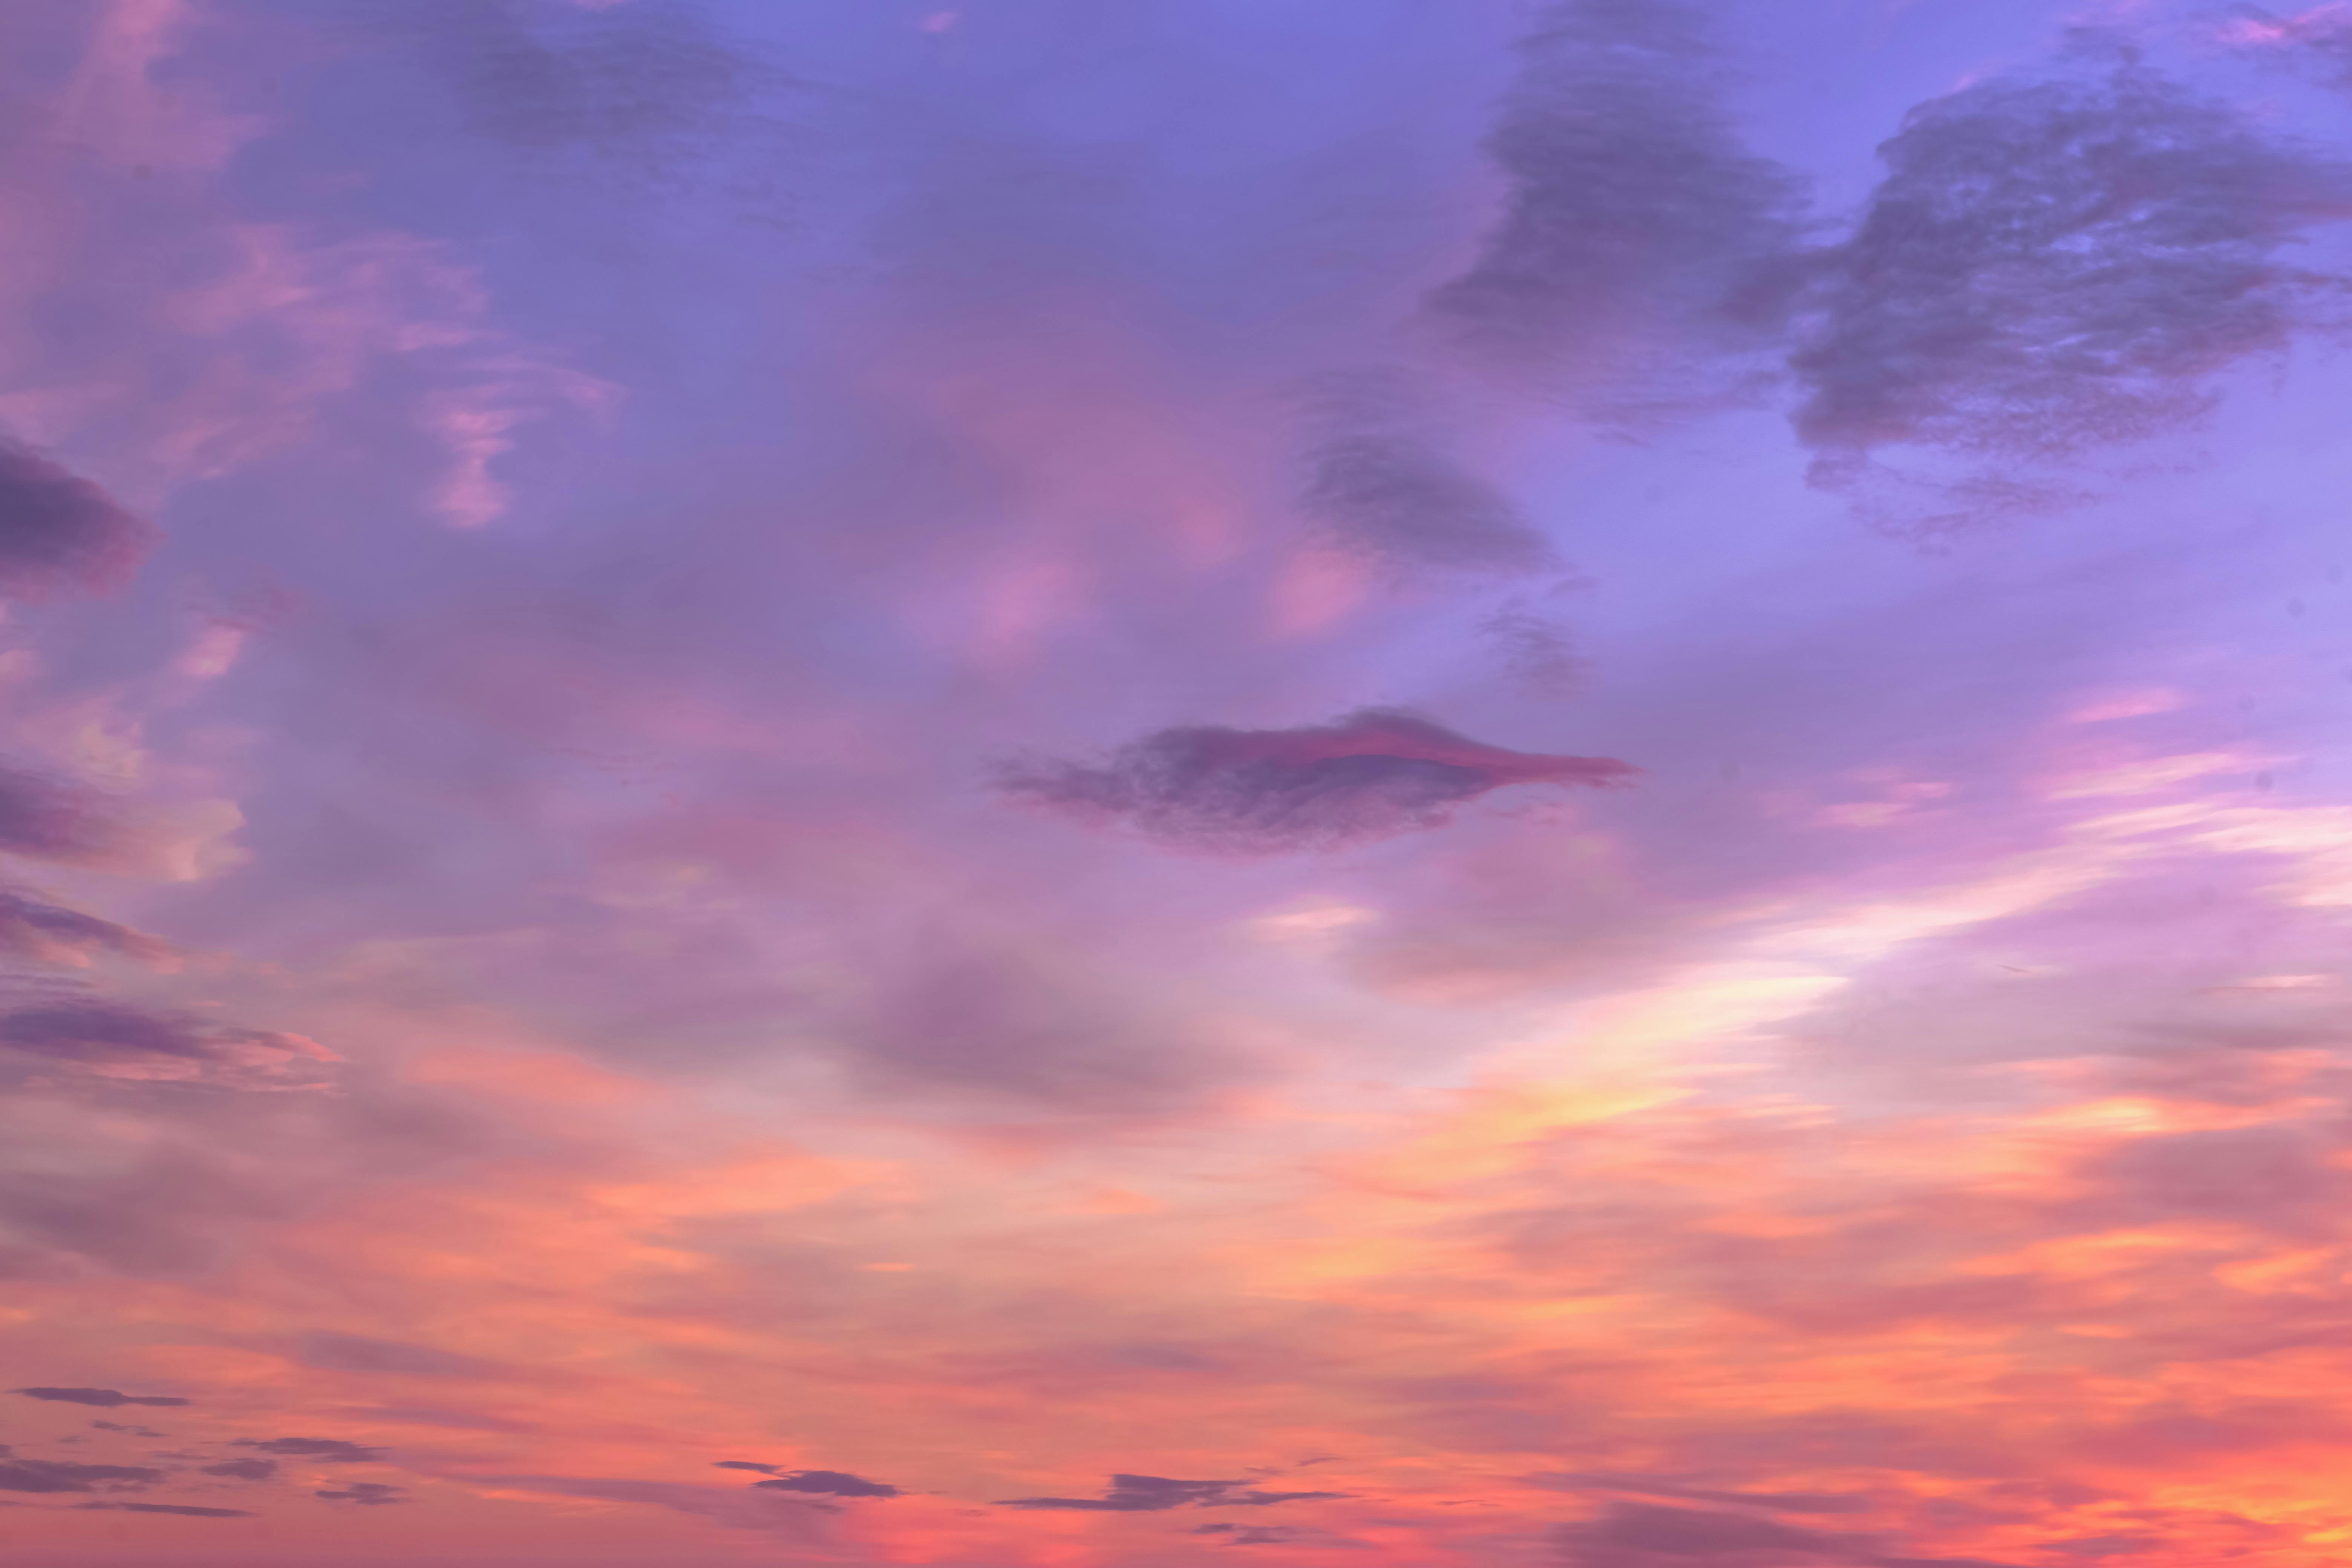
(1138,783)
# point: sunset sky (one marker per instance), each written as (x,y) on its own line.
(1149,784)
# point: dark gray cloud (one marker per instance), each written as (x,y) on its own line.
(2054,264)
(77,1031)
(244,1470)
(59,533)
(367,1494)
(748,1465)
(352,1352)
(1635,213)
(21,1475)
(1151,1494)
(329,1451)
(1213,789)
(188,1511)
(828,1483)
(105,1398)
(48,818)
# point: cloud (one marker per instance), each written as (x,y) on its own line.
(2051,265)
(1629,1533)
(1212,789)
(30,928)
(1149,1494)
(47,818)
(1634,211)
(831,1483)
(189,1509)
(1133,1494)
(131,1430)
(79,1030)
(58,533)
(747,1465)
(107,1397)
(244,1470)
(1779,1503)
(350,1352)
(330,1450)
(368,1494)
(20,1475)
(1381,482)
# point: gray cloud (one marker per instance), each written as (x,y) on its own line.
(1372,774)
(1381,481)
(1634,210)
(1151,1494)
(367,1494)
(2051,265)
(21,1475)
(1133,1494)
(329,1451)
(244,1470)
(188,1511)
(58,532)
(828,1483)
(100,1396)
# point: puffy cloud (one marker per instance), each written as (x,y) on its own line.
(60,532)
(1214,790)
(2053,264)
(1637,217)
(100,1396)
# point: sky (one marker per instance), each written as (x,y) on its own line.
(1032,784)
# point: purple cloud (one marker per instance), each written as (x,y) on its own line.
(2054,264)
(829,1483)
(188,1511)
(59,533)
(330,1450)
(1213,789)
(1634,209)
(107,1397)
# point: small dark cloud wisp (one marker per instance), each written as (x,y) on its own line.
(1212,789)
(1151,1494)
(107,1397)
(824,1483)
